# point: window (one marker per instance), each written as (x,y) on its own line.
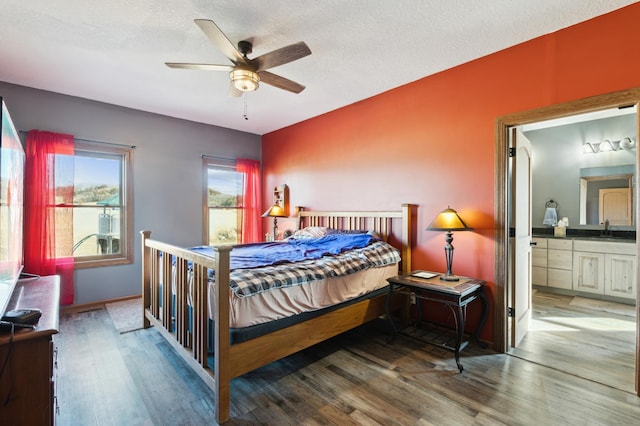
(100,204)
(223,208)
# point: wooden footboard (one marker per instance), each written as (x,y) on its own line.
(171,317)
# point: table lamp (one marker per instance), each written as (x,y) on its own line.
(449,221)
(275,211)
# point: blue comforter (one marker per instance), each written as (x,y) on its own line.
(266,254)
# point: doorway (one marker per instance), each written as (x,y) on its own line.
(506,291)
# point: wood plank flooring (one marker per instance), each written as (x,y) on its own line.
(592,344)
(107,378)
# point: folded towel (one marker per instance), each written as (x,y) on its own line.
(550,216)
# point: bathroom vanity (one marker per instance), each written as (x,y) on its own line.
(603,268)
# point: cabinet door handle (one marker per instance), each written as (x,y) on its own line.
(533,243)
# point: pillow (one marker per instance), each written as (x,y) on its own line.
(345,231)
(311,232)
(374,234)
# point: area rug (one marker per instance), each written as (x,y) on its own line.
(126,315)
(603,305)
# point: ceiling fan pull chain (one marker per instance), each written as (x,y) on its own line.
(245,106)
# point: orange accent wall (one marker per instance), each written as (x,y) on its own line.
(431,142)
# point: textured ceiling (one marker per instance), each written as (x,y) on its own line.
(114,51)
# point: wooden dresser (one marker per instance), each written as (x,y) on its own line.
(27,385)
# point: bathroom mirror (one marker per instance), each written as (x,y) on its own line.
(606,193)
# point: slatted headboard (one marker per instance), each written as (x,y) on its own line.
(394,227)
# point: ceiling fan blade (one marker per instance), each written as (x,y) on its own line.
(282,56)
(280,82)
(217,37)
(205,67)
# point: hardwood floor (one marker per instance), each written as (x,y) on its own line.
(593,344)
(107,378)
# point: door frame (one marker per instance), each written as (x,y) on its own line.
(503,287)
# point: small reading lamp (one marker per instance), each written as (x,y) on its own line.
(449,221)
(275,211)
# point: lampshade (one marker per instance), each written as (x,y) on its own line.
(588,148)
(605,146)
(448,220)
(627,143)
(244,80)
(275,210)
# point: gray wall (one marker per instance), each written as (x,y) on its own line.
(557,158)
(167,170)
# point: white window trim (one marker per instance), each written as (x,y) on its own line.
(126,214)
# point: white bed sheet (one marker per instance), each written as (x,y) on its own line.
(288,301)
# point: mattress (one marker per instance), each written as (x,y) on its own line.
(279,302)
(319,294)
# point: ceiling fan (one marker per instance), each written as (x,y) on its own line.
(245,73)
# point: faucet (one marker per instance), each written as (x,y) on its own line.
(606,230)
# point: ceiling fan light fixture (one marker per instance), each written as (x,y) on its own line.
(244,80)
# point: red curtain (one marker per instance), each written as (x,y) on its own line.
(251,200)
(48,231)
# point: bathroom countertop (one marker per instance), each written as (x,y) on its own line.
(588,234)
(590,238)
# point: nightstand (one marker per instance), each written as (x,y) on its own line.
(456,295)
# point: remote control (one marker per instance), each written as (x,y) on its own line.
(22,316)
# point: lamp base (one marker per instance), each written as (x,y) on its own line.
(449,278)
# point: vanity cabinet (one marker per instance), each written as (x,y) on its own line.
(601,268)
(560,263)
(588,272)
(605,268)
(552,263)
(539,261)
(620,275)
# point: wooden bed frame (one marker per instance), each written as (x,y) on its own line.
(234,360)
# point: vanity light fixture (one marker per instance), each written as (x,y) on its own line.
(605,146)
(608,146)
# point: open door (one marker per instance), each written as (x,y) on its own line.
(505,263)
(520,309)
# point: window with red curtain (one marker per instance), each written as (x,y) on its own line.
(232,201)
(48,230)
(251,200)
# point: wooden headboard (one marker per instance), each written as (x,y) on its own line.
(394,227)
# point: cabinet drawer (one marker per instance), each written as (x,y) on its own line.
(628,248)
(560,278)
(558,244)
(539,275)
(539,257)
(560,259)
(540,242)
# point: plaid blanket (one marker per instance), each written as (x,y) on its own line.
(247,282)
